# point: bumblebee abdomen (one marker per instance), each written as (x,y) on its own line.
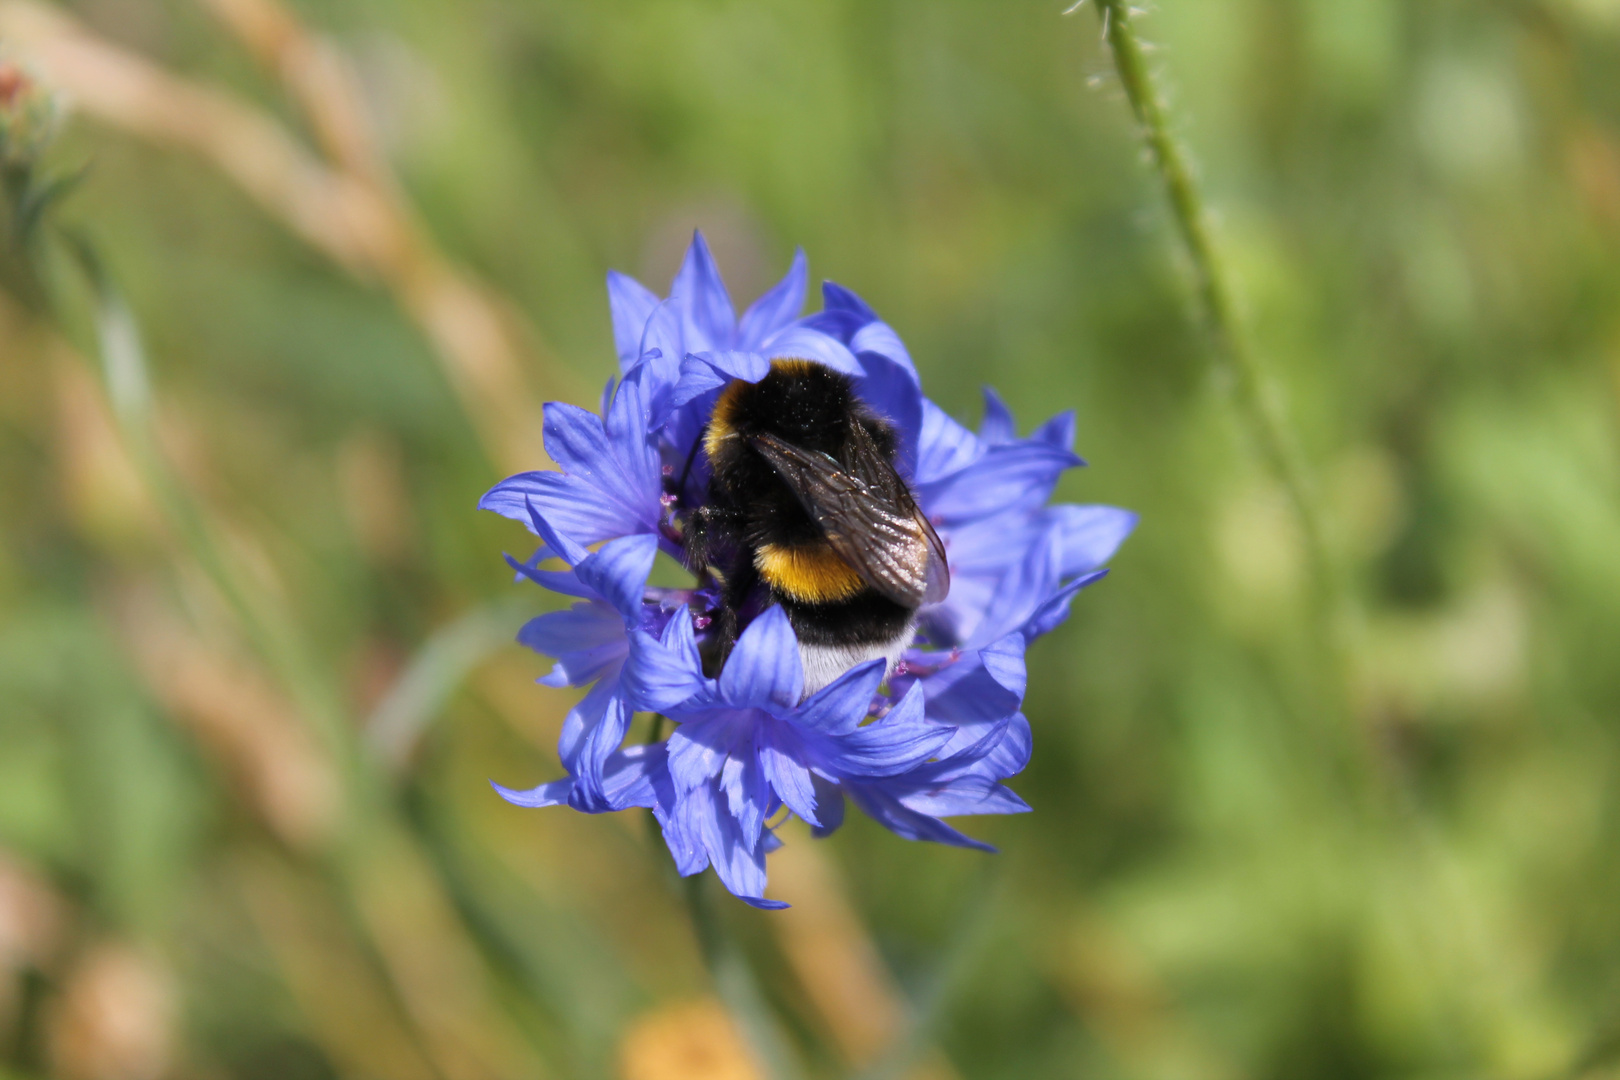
(809,573)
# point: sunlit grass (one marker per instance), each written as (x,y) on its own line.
(342,262)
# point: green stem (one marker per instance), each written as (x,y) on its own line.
(735,983)
(1257,407)
(124,376)
(725,960)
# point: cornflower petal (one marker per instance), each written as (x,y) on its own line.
(1016,476)
(592,731)
(958,800)
(1091,534)
(749,797)
(803,343)
(1023,590)
(632,304)
(998,427)
(884,807)
(553,794)
(618,572)
(975,687)
(1011,754)
(880,338)
(585,639)
(740,863)
(627,426)
(665,671)
(570,502)
(700,747)
(829,806)
(782,754)
(558,581)
(894,744)
(839,707)
(943,446)
(764,669)
(662,345)
(1058,431)
(1056,607)
(631,777)
(890,389)
(707,371)
(682,833)
(834,297)
(708,321)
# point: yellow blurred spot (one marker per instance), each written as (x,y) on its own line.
(371,475)
(1260,544)
(695,1040)
(114,1019)
(1365,503)
(99,480)
(1467,657)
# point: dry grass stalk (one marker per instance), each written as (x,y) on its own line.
(347,1007)
(1112,988)
(101,485)
(348,211)
(237,714)
(34,923)
(836,961)
(319,78)
(433,965)
(33,917)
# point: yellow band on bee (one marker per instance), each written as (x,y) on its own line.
(721,420)
(812,574)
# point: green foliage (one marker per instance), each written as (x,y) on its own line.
(1250,855)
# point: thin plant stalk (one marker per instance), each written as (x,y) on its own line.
(124,376)
(1258,410)
(735,982)
(727,964)
(369,839)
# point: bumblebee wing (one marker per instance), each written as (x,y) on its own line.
(867,516)
(937,585)
(870,464)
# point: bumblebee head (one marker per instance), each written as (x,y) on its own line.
(800,401)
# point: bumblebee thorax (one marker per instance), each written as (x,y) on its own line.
(801,401)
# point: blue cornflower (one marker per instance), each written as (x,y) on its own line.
(933,737)
(590,645)
(746,745)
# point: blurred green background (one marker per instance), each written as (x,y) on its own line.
(253,660)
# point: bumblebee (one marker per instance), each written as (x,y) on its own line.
(806,510)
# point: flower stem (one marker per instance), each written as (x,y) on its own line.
(734,981)
(1259,411)
(728,965)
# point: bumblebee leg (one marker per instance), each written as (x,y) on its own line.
(740,583)
(710,532)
